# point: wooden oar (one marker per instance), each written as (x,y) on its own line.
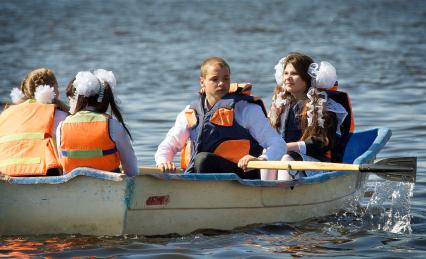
(394,169)
(154,170)
(401,169)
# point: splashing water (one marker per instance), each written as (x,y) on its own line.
(389,206)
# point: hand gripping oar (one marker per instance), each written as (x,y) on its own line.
(393,169)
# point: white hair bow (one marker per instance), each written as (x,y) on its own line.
(44,94)
(106,76)
(90,84)
(17,95)
(323,75)
(86,84)
(279,71)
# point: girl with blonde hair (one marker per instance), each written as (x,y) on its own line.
(27,128)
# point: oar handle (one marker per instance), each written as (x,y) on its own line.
(153,170)
(302,165)
(148,170)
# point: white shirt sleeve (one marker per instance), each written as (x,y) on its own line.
(251,117)
(58,117)
(124,147)
(302,147)
(58,140)
(174,141)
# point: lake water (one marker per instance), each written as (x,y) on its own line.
(155,48)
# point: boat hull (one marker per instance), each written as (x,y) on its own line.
(92,202)
(226,205)
(84,205)
(93,206)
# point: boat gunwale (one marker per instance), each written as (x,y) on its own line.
(383,135)
(81,171)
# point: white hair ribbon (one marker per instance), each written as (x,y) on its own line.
(279,100)
(44,94)
(105,76)
(313,72)
(86,84)
(323,75)
(318,106)
(101,91)
(279,71)
(17,95)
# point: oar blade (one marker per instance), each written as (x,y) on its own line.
(395,169)
(405,162)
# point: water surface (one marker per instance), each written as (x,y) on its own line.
(155,48)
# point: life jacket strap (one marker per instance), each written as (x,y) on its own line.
(88,153)
(20,161)
(85,117)
(22,136)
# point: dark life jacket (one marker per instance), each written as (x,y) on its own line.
(218,132)
(293,132)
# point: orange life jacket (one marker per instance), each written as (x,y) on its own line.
(86,142)
(26,142)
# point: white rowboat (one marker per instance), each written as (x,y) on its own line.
(92,202)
